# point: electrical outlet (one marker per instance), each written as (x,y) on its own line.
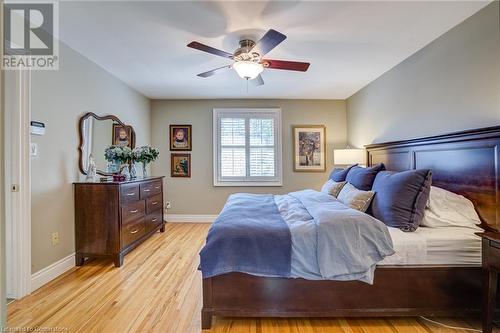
(55,238)
(168,205)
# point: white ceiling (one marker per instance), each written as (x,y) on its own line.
(348,44)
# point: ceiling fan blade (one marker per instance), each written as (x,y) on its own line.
(268,42)
(213,71)
(258,81)
(286,65)
(209,49)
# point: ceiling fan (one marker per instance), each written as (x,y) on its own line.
(248,59)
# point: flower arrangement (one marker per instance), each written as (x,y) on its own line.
(122,154)
(145,154)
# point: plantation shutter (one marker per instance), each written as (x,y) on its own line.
(247,147)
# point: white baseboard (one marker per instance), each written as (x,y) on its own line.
(49,273)
(189,218)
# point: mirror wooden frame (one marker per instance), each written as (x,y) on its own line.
(80,133)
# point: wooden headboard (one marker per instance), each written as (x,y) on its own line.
(467,163)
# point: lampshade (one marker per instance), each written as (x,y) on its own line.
(248,69)
(349,156)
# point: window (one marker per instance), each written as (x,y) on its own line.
(247,147)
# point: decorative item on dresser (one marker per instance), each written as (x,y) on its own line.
(491,267)
(112,218)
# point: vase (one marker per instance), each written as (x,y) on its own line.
(133,171)
(144,171)
(114,166)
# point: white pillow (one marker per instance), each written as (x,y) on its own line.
(448,209)
(332,187)
(354,198)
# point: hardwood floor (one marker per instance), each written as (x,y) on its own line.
(159,290)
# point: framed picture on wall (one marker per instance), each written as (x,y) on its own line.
(180,138)
(309,151)
(180,165)
(122,135)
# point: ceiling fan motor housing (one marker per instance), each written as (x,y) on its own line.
(243,53)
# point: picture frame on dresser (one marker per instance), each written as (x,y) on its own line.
(112,218)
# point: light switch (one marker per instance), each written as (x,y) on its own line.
(33,149)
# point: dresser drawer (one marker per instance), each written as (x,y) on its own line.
(129,192)
(153,220)
(133,231)
(154,203)
(133,211)
(149,189)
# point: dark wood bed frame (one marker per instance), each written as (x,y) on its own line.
(467,163)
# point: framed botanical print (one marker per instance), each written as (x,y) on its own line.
(309,148)
(180,165)
(122,136)
(180,137)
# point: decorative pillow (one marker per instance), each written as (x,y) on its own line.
(354,198)
(448,209)
(401,197)
(362,178)
(332,188)
(338,175)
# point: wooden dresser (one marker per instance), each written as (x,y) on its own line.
(113,218)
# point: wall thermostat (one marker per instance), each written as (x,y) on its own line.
(37,128)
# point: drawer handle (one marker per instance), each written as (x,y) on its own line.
(134,211)
(131,194)
(154,220)
(157,187)
(154,203)
(147,190)
(135,231)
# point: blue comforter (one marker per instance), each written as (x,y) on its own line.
(248,236)
(305,234)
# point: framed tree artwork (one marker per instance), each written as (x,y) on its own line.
(180,138)
(180,165)
(309,148)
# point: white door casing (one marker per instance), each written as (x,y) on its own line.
(17,172)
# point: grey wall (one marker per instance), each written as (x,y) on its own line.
(196,195)
(2,196)
(59,98)
(450,85)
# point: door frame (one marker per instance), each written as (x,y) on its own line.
(18,203)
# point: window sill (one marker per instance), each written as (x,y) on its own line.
(248,184)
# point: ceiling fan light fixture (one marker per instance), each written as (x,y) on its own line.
(248,69)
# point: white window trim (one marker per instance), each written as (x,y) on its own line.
(279,150)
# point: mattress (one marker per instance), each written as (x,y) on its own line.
(457,246)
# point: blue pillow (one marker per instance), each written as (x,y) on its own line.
(338,175)
(362,178)
(400,197)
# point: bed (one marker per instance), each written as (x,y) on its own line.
(467,163)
